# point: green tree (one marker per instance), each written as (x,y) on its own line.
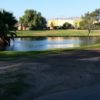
(52,25)
(7,22)
(67,25)
(89,20)
(96,13)
(33,19)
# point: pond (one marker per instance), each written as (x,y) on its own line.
(47,43)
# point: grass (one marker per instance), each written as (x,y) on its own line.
(12,90)
(58,33)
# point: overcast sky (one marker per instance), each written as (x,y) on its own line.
(51,8)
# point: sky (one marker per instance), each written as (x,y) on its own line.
(51,8)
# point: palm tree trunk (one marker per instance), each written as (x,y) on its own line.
(4,41)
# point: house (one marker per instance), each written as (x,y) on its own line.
(21,27)
(58,22)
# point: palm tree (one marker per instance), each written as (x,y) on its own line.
(7,22)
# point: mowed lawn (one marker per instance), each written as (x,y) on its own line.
(58,33)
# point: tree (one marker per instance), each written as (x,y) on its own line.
(97,14)
(67,25)
(33,20)
(89,20)
(7,22)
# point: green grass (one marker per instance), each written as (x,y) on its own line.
(11,90)
(58,33)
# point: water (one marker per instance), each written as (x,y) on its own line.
(47,43)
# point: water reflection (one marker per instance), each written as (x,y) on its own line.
(45,43)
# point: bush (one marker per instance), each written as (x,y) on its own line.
(67,26)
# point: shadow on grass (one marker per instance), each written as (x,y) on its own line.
(11,84)
(53,71)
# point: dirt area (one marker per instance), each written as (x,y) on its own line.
(30,78)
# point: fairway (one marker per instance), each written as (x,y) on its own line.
(58,33)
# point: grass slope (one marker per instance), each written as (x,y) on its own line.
(58,33)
